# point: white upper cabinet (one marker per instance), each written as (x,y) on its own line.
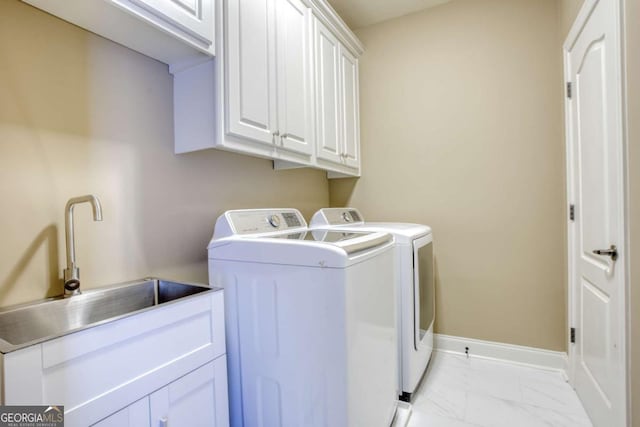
(193,17)
(176,32)
(328,132)
(283,86)
(295,103)
(337,106)
(350,108)
(251,83)
(268,77)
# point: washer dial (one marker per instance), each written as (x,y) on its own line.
(274,221)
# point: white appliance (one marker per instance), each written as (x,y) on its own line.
(310,321)
(415,287)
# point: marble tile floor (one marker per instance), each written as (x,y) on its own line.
(461,392)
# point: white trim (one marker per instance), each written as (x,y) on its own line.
(624,48)
(327,14)
(518,354)
(403,414)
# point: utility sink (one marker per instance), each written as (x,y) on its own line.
(31,323)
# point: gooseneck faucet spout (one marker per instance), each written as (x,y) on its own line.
(72,272)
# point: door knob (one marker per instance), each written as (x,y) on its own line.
(612,252)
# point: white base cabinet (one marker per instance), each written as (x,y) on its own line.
(135,415)
(170,360)
(199,399)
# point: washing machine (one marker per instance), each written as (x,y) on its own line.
(310,321)
(415,288)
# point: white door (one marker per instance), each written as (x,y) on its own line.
(350,108)
(327,60)
(199,399)
(251,71)
(294,77)
(596,189)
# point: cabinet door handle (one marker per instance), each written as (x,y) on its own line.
(276,133)
(164,422)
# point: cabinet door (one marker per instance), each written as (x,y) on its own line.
(194,17)
(199,399)
(350,108)
(251,70)
(134,415)
(328,134)
(294,76)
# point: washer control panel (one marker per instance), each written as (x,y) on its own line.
(265,220)
(274,220)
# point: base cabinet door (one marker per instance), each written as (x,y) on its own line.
(197,399)
(134,415)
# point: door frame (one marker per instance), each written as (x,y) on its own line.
(576,29)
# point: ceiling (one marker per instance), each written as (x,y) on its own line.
(360,13)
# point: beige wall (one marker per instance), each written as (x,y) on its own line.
(632,53)
(461,120)
(79,114)
(567,13)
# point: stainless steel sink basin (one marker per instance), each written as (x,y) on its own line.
(29,324)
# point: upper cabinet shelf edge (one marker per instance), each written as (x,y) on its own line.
(174,32)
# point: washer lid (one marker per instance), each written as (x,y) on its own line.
(276,236)
(350,241)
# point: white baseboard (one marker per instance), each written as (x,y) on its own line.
(529,356)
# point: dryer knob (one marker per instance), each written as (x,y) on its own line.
(347,217)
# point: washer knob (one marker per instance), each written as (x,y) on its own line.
(347,217)
(274,220)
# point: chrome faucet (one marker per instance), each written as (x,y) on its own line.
(72,272)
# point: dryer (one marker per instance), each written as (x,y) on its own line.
(415,288)
(310,321)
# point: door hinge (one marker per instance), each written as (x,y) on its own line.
(569,90)
(573,335)
(572,212)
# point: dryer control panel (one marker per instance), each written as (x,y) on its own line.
(336,216)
